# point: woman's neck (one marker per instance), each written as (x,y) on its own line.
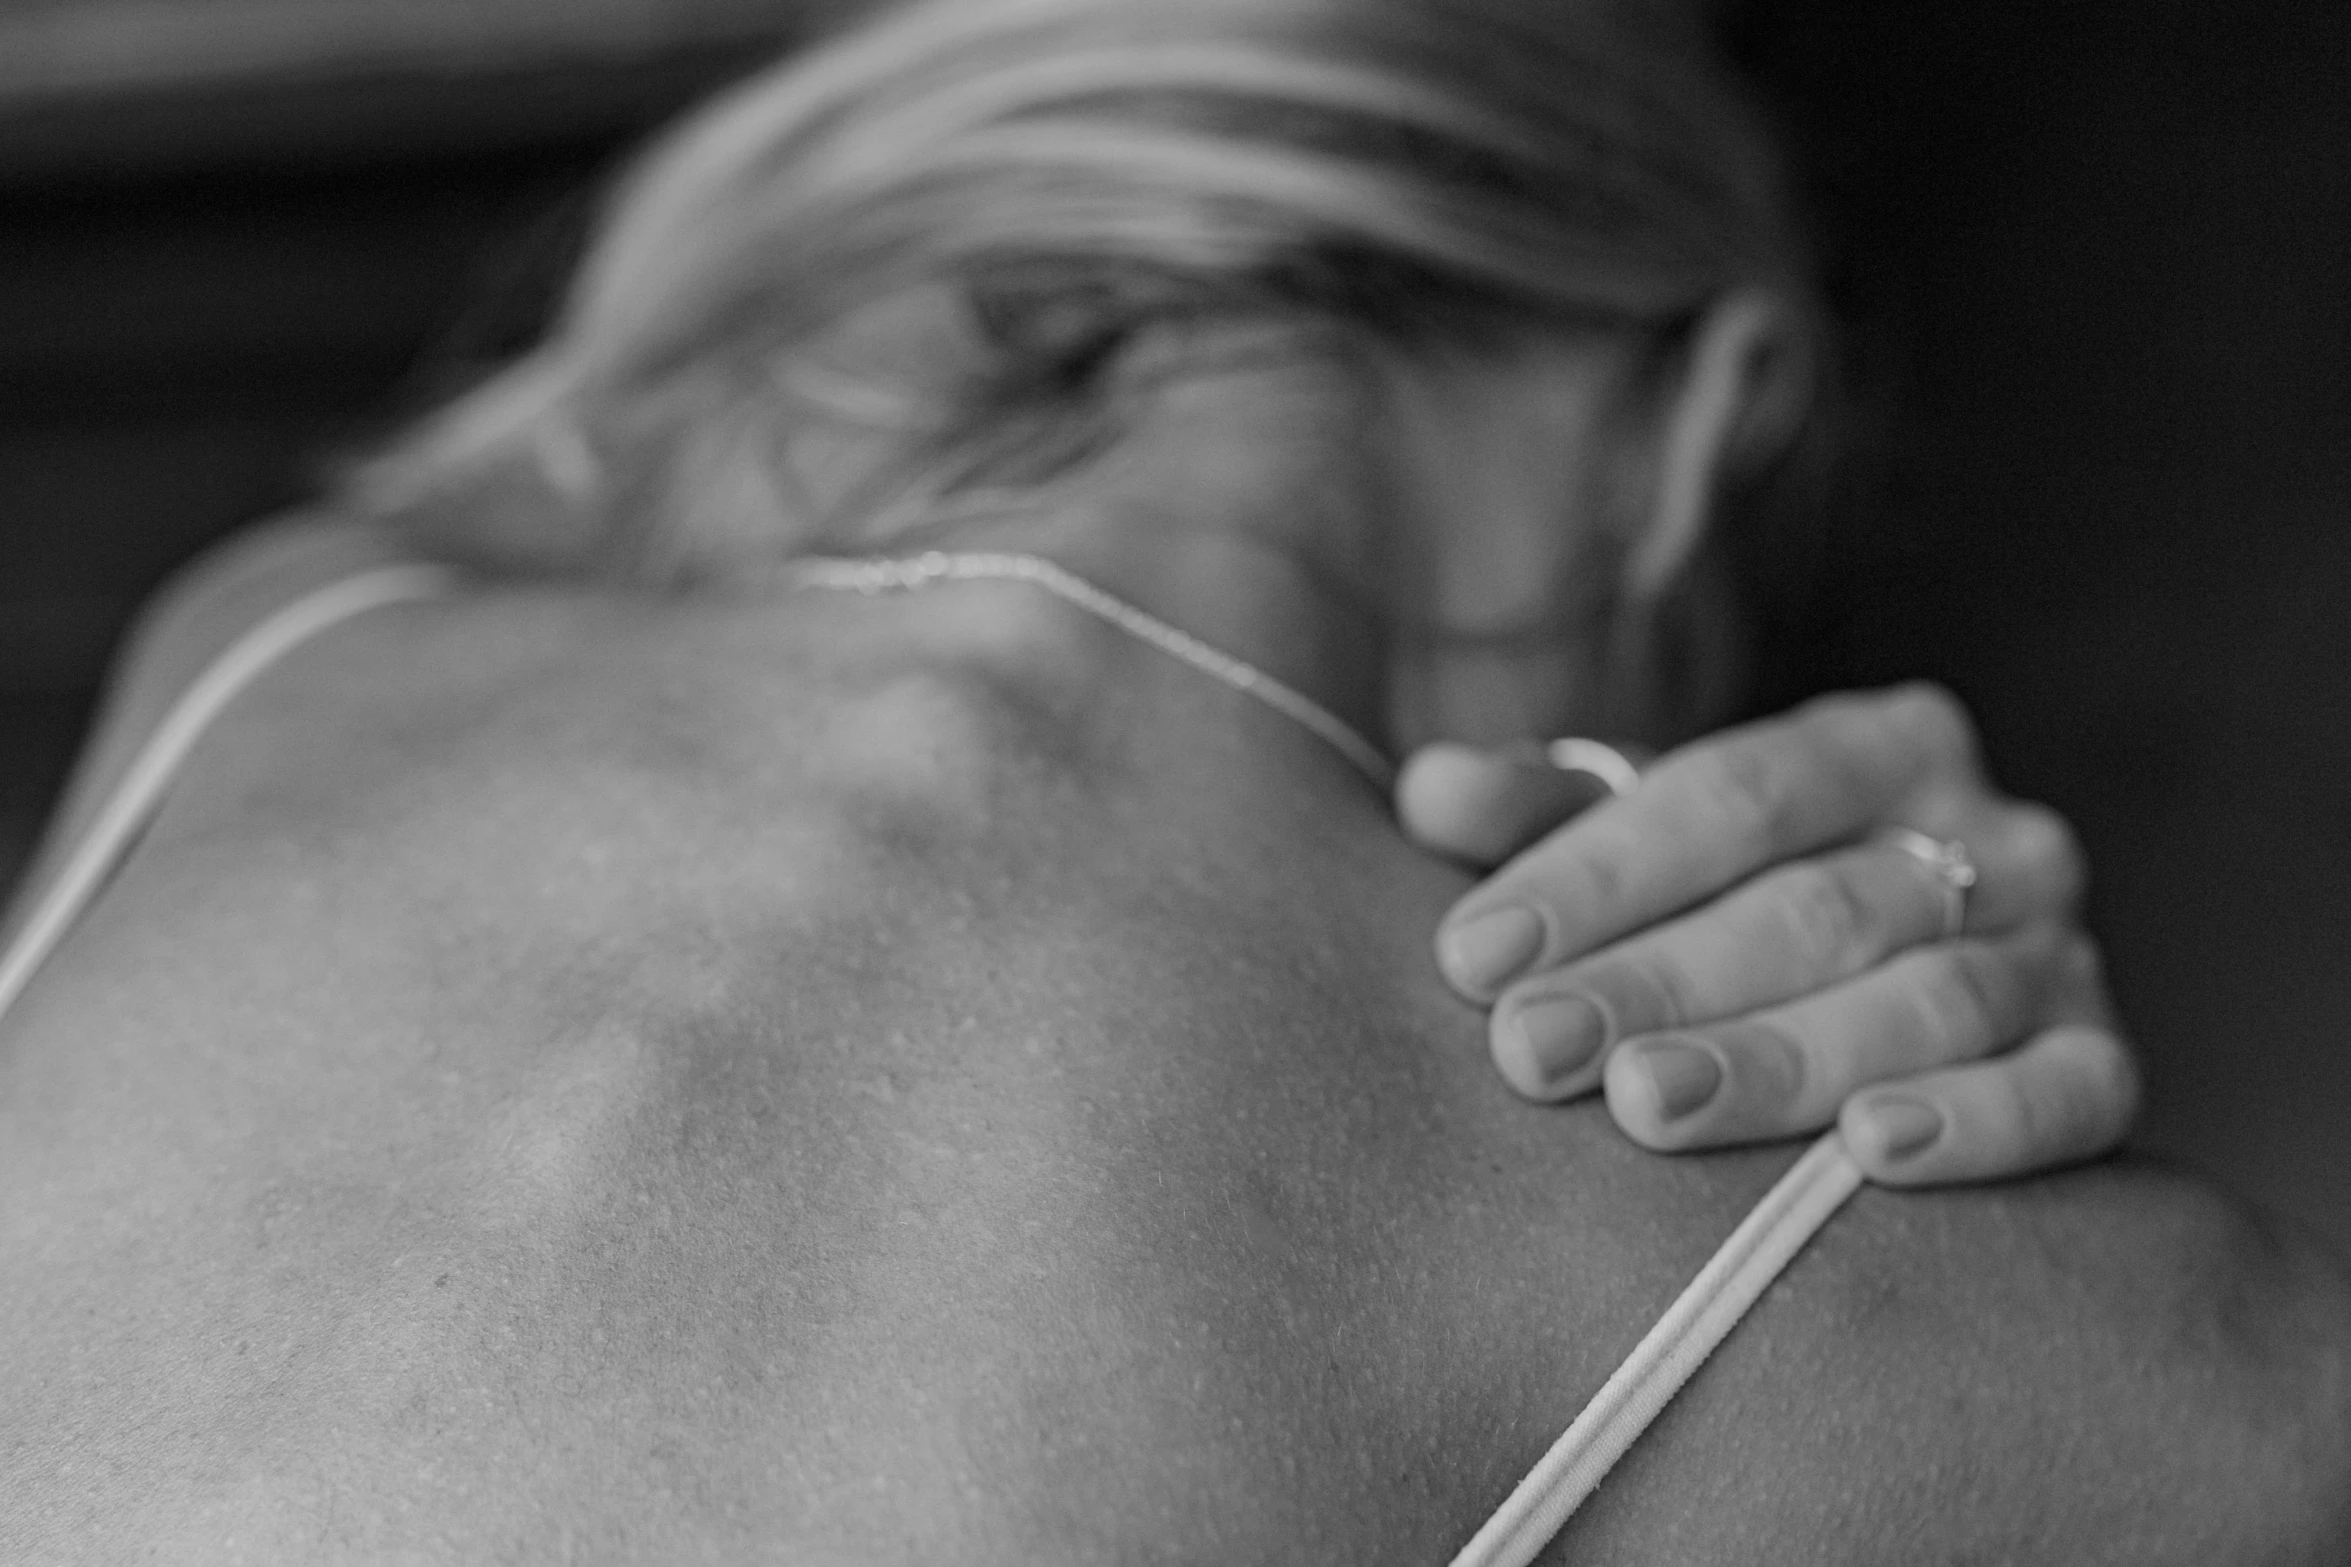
(1235,505)
(1255,598)
(1410,545)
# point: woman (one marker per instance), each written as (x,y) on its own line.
(1494,652)
(917,1043)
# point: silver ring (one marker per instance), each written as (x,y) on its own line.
(1955,873)
(1594,759)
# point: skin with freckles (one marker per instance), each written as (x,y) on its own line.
(827,1079)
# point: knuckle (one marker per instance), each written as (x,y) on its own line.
(2040,976)
(2052,852)
(1842,710)
(1934,744)
(1604,866)
(1774,1072)
(1641,995)
(2031,1117)
(1872,746)
(1746,781)
(1823,919)
(2087,1106)
(1961,1002)
(1936,719)
(2069,862)
(2074,991)
(2110,1076)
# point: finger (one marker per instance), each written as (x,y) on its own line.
(1483,806)
(1788,1069)
(2029,865)
(1796,929)
(1705,818)
(2069,1093)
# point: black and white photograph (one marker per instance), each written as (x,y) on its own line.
(1002,783)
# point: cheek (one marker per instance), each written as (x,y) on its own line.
(1503,526)
(1484,696)
(1499,570)
(1501,499)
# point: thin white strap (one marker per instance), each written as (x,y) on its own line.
(904,574)
(135,798)
(1763,1244)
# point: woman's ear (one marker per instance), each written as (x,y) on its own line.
(1745,389)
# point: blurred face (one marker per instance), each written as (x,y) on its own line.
(1469,500)
(1476,504)
(1508,556)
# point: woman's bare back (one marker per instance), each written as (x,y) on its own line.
(824,1079)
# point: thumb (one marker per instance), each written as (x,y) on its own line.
(1483,805)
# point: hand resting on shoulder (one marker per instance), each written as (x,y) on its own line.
(1737,950)
(853,1079)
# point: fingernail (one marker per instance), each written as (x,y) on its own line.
(1491,950)
(1682,1076)
(1904,1127)
(1562,1034)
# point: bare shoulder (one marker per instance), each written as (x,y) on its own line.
(219,594)
(739,1017)
(2115,1365)
(2193,1362)
(191,620)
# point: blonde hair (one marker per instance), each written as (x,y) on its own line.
(1069,170)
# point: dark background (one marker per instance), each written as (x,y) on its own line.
(2094,261)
